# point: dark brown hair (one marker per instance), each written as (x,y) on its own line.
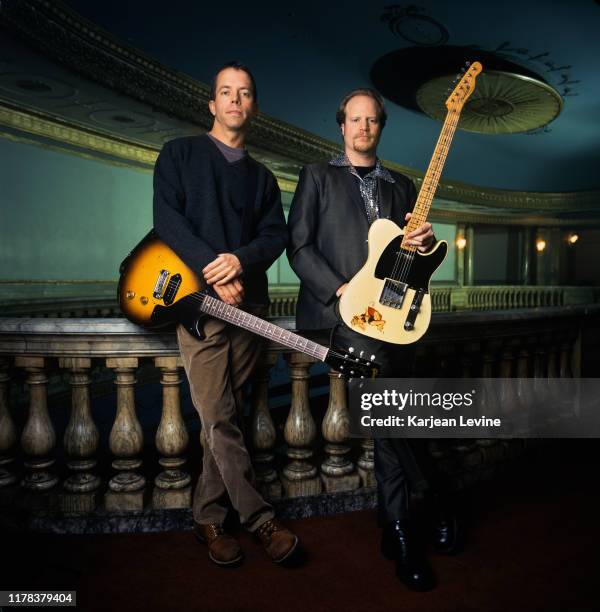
(238,66)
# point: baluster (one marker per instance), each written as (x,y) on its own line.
(299,475)
(8,431)
(553,369)
(172,490)
(338,471)
(565,358)
(263,429)
(566,386)
(365,465)
(490,399)
(80,439)
(38,438)
(540,384)
(125,441)
(524,390)
(509,400)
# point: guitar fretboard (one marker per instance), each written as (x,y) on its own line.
(432,176)
(220,310)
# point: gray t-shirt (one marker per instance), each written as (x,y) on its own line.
(231,154)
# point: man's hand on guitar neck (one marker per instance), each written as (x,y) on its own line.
(422,237)
(222,270)
(231,293)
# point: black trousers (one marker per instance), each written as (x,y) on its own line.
(400,464)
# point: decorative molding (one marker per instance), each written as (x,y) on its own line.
(43,127)
(63,35)
(444,215)
(68,38)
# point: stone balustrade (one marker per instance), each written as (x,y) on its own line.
(303,450)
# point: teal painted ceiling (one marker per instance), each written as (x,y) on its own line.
(307,55)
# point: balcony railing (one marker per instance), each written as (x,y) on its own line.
(98,299)
(47,468)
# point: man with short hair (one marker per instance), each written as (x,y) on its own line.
(220,211)
(332,210)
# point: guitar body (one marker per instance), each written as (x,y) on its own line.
(155,287)
(383,309)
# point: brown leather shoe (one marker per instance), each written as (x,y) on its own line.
(278,541)
(223,548)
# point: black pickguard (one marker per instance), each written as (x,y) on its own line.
(186,311)
(420,270)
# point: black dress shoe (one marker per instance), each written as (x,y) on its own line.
(447,532)
(399,544)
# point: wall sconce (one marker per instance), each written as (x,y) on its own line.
(461,243)
(572,239)
(540,245)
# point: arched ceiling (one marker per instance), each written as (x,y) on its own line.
(306,55)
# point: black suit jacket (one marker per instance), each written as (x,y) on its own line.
(328,230)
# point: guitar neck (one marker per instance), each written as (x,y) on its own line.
(432,176)
(240,318)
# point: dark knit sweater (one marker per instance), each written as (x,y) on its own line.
(199,202)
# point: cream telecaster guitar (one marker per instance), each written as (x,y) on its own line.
(388,298)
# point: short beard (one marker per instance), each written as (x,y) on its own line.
(365,147)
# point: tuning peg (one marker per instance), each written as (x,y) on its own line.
(351,372)
(361,353)
(372,358)
(362,377)
(467,64)
(339,375)
(351,349)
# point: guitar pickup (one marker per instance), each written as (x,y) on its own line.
(172,289)
(159,287)
(414,310)
(393,293)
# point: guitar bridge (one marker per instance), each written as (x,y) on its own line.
(393,293)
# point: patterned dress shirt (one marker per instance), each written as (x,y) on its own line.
(368,184)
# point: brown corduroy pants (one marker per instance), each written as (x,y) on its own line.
(217,368)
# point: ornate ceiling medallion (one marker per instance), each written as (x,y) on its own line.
(502,103)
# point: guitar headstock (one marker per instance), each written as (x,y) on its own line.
(350,365)
(464,88)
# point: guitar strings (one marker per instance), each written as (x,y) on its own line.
(243,318)
(444,140)
(404,260)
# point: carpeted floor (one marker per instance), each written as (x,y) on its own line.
(532,545)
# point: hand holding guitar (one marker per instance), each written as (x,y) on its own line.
(422,237)
(222,270)
(341,290)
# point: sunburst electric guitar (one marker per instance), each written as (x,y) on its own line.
(388,298)
(157,288)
